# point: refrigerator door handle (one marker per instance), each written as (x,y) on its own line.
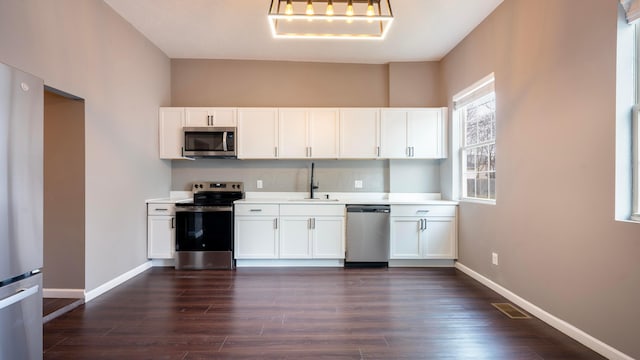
(18,296)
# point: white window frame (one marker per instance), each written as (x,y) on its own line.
(635,213)
(478,90)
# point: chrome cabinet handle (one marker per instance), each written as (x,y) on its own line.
(275,223)
(422,211)
(408,152)
(255,210)
(378,151)
(18,296)
(161,209)
(173,223)
(275,151)
(313,222)
(310,151)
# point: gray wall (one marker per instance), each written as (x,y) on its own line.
(285,175)
(553,224)
(64,193)
(246,83)
(86,49)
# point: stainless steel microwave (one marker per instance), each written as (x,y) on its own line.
(217,142)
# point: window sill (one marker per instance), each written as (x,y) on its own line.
(635,218)
(477,201)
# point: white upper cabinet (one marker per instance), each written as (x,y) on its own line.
(257,133)
(205,116)
(315,133)
(171,121)
(323,133)
(413,133)
(294,134)
(308,133)
(359,133)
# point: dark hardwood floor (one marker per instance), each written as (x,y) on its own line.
(287,313)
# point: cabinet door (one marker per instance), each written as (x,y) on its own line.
(256,237)
(323,133)
(257,133)
(424,133)
(328,237)
(294,133)
(161,237)
(197,116)
(295,239)
(440,240)
(202,116)
(405,238)
(359,133)
(171,121)
(393,134)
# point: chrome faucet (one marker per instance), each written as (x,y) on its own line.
(311,185)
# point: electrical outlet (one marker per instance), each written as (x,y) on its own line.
(494,258)
(358,184)
(259,184)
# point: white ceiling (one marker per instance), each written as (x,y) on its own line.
(422,30)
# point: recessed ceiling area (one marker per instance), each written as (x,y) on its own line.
(422,30)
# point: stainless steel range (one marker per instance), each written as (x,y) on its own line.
(204,227)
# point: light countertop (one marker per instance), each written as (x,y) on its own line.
(301,198)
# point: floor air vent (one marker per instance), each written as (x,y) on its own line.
(511,311)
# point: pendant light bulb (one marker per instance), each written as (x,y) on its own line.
(309,8)
(329,11)
(350,8)
(370,10)
(288,9)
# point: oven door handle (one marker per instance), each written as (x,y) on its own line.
(204,209)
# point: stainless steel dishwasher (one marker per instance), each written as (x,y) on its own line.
(367,235)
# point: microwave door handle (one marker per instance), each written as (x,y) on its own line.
(224,141)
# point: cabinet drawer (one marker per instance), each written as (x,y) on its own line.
(423,210)
(257,209)
(312,210)
(161,209)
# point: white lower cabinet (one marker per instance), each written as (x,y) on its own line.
(305,237)
(256,232)
(297,232)
(161,231)
(423,232)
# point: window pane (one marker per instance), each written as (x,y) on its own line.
(482,186)
(471,132)
(471,186)
(483,158)
(492,157)
(492,185)
(484,128)
(471,160)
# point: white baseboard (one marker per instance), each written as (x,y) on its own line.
(63,293)
(288,263)
(163,263)
(90,295)
(563,326)
(421,263)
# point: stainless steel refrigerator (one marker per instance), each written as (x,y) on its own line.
(21,214)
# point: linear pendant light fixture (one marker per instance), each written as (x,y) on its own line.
(330,19)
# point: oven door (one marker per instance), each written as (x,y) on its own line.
(204,228)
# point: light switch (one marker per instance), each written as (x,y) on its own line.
(259,184)
(358,184)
